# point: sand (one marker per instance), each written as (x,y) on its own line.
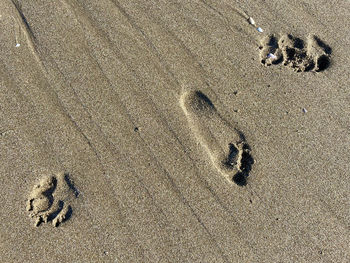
(174,131)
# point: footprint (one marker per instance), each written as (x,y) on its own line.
(292,51)
(226,147)
(49,199)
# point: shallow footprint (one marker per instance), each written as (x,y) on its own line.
(226,147)
(49,200)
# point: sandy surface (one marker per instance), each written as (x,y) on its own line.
(158,131)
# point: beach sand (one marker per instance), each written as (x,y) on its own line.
(174,131)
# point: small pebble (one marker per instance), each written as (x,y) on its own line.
(304,110)
(260,29)
(270,55)
(18,44)
(251,21)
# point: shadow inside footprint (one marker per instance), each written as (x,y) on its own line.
(323,63)
(246,164)
(48,193)
(240,179)
(298,42)
(201,102)
(231,160)
(327,49)
(71,184)
(270,53)
(55,213)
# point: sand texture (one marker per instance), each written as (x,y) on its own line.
(174,131)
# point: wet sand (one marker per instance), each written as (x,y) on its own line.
(174,131)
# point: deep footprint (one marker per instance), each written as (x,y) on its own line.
(226,147)
(293,53)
